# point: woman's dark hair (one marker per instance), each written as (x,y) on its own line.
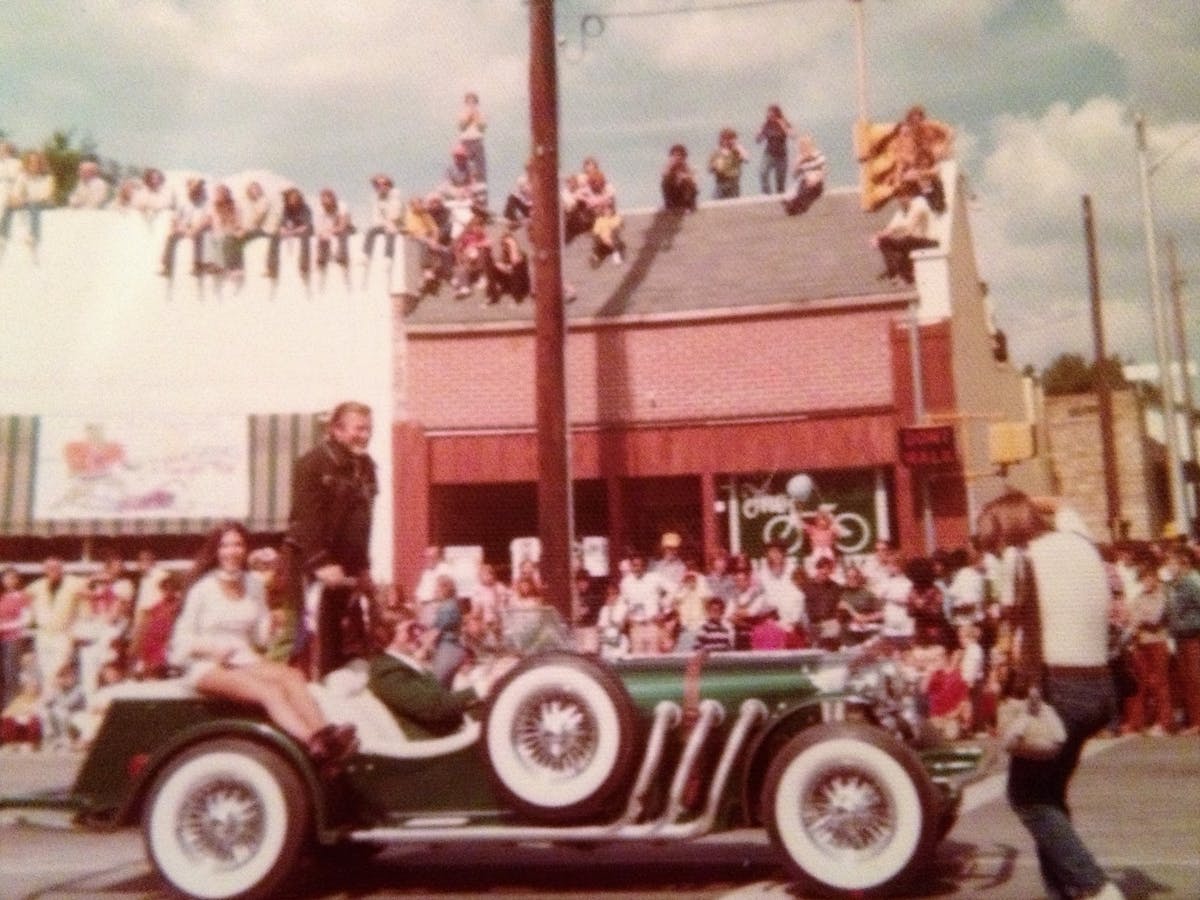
(206,559)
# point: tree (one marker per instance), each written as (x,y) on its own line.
(63,159)
(1070,373)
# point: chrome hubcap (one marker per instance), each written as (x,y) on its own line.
(847,814)
(221,823)
(555,732)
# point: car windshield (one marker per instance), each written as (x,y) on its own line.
(536,630)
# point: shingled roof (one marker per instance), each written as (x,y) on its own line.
(729,255)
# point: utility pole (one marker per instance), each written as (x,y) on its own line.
(860,58)
(1185,379)
(555,521)
(1108,449)
(1178,503)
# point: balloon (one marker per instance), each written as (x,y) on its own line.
(800,487)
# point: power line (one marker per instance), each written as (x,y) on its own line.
(1162,159)
(592,25)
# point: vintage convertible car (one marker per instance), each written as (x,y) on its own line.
(823,750)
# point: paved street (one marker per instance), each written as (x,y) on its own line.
(1137,800)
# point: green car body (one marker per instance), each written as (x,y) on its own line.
(690,745)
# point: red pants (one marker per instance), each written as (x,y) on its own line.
(1187,677)
(1151,662)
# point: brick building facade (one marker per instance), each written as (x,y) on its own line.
(736,348)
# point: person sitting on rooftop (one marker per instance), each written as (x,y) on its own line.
(606,236)
(908,230)
(919,145)
(810,176)
(91,191)
(725,164)
(228,232)
(471,252)
(508,271)
(32,191)
(258,212)
(387,211)
(520,201)
(333,229)
(295,221)
(583,195)
(192,221)
(577,215)
(461,182)
(679,190)
(436,259)
(152,194)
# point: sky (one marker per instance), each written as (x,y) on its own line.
(1042,94)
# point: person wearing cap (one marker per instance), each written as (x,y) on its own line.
(387,214)
(725,164)
(669,567)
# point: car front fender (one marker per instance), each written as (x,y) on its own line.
(784,724)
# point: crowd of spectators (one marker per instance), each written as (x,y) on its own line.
(943,619)
(450,222)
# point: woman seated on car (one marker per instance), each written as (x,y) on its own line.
(217,641)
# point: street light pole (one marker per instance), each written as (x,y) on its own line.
(1178,505)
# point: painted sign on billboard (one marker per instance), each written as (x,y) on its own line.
(801,510)
(130,468)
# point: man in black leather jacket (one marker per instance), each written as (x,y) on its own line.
(329,532)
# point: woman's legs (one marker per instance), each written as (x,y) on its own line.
(250,685)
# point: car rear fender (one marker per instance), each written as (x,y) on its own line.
(784,724)
(259,732)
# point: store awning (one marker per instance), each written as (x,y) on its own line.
(272,443)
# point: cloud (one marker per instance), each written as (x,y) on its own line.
(1157,42)
(1029,230)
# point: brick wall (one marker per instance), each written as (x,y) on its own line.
(1073,424)
(645,373)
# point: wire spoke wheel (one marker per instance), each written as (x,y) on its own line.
(560,738)
(555,731)
(226,818)
(851,808)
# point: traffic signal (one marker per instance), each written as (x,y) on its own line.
(874,145)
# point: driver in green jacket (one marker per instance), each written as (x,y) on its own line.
(400,676)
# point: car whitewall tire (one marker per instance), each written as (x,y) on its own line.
(226,819)
(851,808)
(559,737)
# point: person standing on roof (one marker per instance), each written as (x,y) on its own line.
(774,134)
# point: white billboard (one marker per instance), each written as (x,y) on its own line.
(121,467)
